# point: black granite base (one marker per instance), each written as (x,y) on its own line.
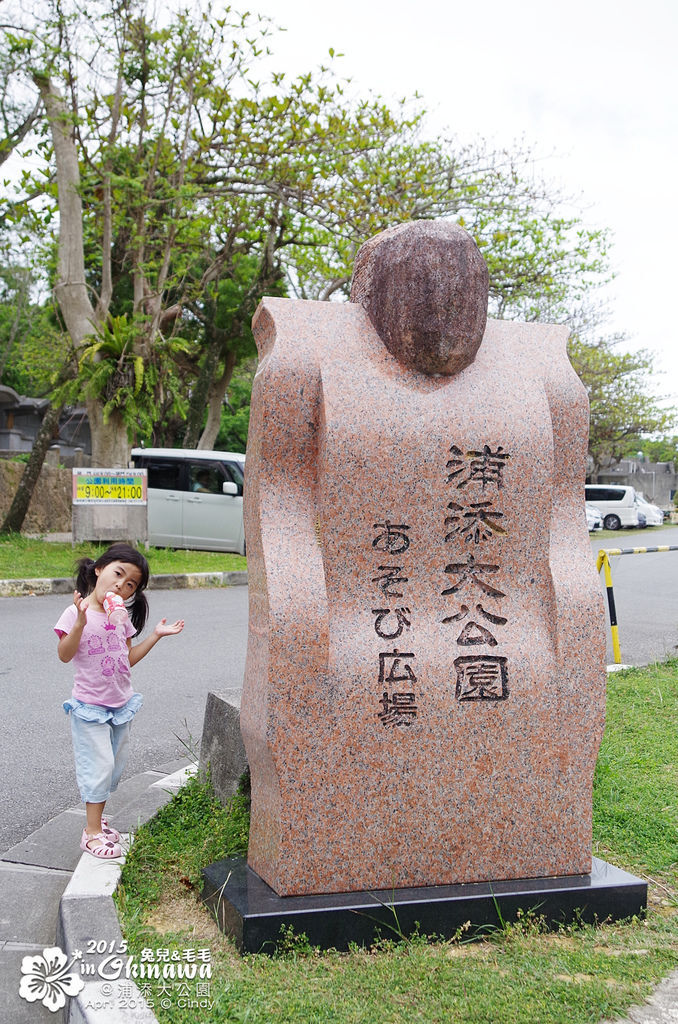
(249,910)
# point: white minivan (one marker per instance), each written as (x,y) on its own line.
(194,498)
(617,504)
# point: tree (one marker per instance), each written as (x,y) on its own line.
(622,410)
(658,449)
(31,343)
(235,413)
(185,189)
(224,311)
(16,514)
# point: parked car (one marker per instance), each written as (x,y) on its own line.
(594,518)
(194,498)
(653,515)
(617,504)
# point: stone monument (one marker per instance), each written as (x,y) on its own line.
(425,681)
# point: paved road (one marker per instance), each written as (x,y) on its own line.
(36,760)
(35,752)
(646,595)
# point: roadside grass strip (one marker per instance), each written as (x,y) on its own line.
(516,974)
(28,558)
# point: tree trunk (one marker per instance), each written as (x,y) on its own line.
(215,400)
(14,519)
(109,440)
(110,448)
(70,288)
(199,397)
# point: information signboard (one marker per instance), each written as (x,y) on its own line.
(109,486)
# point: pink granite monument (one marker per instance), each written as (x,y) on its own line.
(425,682)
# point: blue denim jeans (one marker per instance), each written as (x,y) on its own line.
(100,745)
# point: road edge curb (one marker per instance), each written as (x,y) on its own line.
(86,909)
(161,581)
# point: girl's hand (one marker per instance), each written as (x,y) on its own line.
(165,628)
(82,604)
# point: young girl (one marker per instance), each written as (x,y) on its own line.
(103,703)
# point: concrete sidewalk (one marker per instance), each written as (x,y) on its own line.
(52,894)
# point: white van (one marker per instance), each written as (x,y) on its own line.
(194,498)
(653,514)
(616,502)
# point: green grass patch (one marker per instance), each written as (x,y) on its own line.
(635,810)
(518,974)
(25,558)
(191,831)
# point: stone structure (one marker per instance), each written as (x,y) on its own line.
(222,754)
(425,681)
(50,507)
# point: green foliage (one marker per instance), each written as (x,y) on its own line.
(235,414)
(31,343)
(111,370)
(661,449)
(205,186)
(622,410)
(635,811)
(224,312)
(191,831)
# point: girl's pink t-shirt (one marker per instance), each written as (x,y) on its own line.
(101,662)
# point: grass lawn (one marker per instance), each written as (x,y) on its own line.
(640,537)
(516,975)
(24,558)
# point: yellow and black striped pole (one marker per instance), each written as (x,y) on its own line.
(603,561)
(636,551)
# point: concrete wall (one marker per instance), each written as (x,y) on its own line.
(50,507)
(656,481)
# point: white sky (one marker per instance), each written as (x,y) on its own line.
(592,85)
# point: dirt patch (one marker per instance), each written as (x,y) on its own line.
(186,915)
(50,507)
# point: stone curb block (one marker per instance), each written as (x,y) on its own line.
(171,581)
(87,916)
(21,588)
(162,581)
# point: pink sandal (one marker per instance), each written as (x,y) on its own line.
(111,834)
(105,851)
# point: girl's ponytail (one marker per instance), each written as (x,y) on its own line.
(86,577)
(138,611)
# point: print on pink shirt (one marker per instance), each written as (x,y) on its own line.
(113,642)
(95,644)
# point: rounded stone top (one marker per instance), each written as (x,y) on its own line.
(424,286)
